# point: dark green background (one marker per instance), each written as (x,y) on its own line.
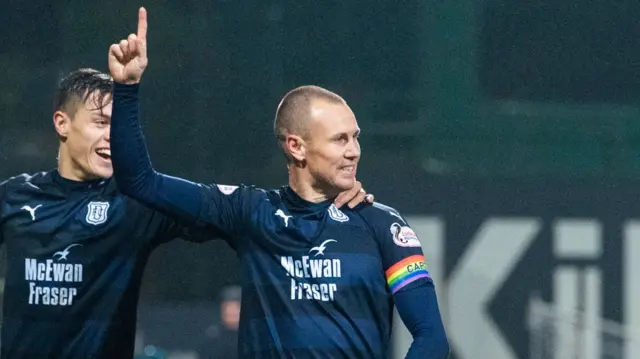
(493,88)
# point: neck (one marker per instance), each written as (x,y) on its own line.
(303,184)
(67,168)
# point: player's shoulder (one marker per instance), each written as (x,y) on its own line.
(245,191)
(248,196)
(239,188)
(388,220)
(33,179)
(279,192)
(273,197)
(378,211)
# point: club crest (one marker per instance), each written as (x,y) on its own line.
(97,212)
(336,214)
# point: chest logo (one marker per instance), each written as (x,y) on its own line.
(31,210)
(65,252)
(97,212)
(321,248)
(281,214)
(336,214)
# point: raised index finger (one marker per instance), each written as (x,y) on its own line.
(142,24)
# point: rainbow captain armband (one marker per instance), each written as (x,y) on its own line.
(406,271)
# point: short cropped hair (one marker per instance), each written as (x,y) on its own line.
(78,86)
(293,111)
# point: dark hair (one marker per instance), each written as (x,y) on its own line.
(78,86)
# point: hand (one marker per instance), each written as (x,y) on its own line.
(128,59)
(354,196)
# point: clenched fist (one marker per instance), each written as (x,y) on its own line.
(128,59)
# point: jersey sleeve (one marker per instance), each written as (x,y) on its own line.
(3,191)
(226,208)
(401,251)
(156,227)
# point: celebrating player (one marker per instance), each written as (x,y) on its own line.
(318,282)
(76,246)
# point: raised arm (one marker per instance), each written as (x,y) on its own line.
(134,174)
(132,167)
(194,202)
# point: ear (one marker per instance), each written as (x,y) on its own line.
(62,122)
(296,147)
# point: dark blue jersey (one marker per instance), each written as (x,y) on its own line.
(76,253)
(318,282)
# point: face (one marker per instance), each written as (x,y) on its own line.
(85,150)
(332,150)
(230,312)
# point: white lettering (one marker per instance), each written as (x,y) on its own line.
(332,289)
(305,266)
(299,272)
(316,269)
(337,273)
(51,295)
(312,268)
(41,271)
(53,272)
(313,291)
(287,264)
(58,272)
(30,269)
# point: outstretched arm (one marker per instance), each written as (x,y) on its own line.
(3,188)
(133,172)
(132,167)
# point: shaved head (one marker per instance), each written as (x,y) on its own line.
(294,111)
(318,134)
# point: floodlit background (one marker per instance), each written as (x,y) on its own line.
(507,131)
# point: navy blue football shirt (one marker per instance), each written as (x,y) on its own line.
(317,281)
(76,253)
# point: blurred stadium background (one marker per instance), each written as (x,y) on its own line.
(507,131)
